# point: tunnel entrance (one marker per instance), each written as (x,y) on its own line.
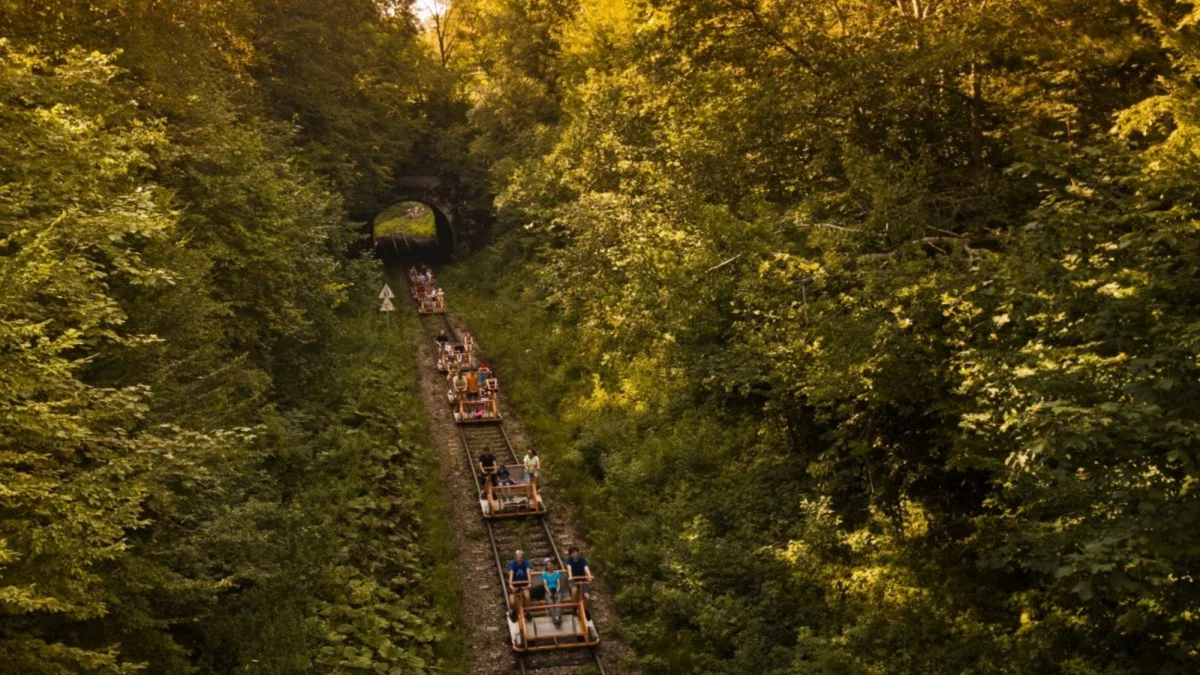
(412,231)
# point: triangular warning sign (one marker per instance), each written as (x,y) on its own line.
(386,293)
(387,306)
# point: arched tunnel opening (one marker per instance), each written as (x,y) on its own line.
(410,232)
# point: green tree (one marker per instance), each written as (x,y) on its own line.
(878,335)
(77,214)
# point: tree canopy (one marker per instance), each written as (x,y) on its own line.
(860,334)
(866,328)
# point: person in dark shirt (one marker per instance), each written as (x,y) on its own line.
(503,477)
(518,583)
(442,338)
(487,463)
(579,573)
(487,460)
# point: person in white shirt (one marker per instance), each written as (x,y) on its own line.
(533,465)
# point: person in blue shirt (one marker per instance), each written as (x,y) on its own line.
(518,583)
(578,572)
(552,582)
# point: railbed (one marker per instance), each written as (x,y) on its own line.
(537,642)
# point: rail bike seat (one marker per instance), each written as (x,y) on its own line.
(519,497)
(429,305)
(454,360)
(476,411)
(541,632)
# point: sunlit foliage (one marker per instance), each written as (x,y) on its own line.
(865,340)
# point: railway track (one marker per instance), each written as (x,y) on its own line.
(532,534)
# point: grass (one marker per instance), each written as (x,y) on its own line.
(444,580)
(406,219)
(391,343)
(437,527)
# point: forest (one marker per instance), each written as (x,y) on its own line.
(207,440)
(860,336)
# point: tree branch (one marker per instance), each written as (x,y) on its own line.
(718,266)
(967,244)
(751,8)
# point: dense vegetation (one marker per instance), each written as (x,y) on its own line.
(863,333)
(209,452)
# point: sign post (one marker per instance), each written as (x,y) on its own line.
(387,308)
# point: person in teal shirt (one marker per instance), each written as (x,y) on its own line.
(552,580)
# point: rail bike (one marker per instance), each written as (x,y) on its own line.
(545,626)
(484,409)
(430,298)
(474,395)
(453,356)
(505,491)
(508,492)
